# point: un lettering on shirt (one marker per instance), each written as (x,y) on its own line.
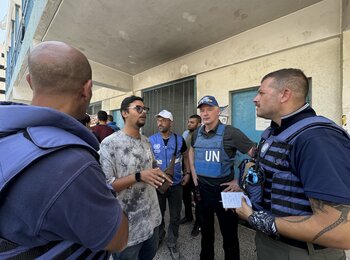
(212,156)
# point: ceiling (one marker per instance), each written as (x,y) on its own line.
(135,35)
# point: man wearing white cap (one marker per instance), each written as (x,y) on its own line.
(166,145)
(211,155)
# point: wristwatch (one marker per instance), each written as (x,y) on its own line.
(138,176)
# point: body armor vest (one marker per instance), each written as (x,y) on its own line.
(283,192)
(35,143)
(211,160)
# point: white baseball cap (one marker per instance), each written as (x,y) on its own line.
(165,114)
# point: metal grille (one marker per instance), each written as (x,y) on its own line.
(176,97)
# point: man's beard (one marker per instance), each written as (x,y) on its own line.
(140,124)
(164,129)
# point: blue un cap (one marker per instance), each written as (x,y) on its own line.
(208,100)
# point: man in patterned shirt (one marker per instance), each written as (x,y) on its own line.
(127,160)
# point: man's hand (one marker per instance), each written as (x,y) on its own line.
(185,179)
(195,179)
(197,194)
(259,220)
(245,211)
(231,186)
(155,177)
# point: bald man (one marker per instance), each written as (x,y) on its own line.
(54,187)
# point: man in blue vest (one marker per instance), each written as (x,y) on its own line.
(52,188)
(305,159)
(166,144)
(211,155)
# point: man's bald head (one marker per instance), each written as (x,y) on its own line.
(55,67)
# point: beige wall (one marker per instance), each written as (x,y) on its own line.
(318,60)
(309,39)
(346,15)
(112,78)
(2,84)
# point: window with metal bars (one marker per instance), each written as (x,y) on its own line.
(178,97)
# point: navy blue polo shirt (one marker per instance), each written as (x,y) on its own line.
(320,157)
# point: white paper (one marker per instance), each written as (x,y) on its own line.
(232,200)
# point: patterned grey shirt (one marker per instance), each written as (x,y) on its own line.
(122,155)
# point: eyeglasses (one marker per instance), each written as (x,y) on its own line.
(140,109)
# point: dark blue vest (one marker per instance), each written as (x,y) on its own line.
(211,160)
(163,153)
(33,144)
(283,191)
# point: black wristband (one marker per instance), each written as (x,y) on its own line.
(263,221)
(138,176)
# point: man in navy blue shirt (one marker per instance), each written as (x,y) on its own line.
(305,160)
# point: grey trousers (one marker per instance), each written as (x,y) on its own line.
(270,249)
(174,197)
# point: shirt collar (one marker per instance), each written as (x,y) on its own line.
(212,130)
(295,112)
(290,119)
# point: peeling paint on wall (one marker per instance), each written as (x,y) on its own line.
(239,15)
(184,70)
(123,35)
(307,33)
(190,18)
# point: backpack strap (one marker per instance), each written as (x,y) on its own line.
(199,133)
(220,130)
(175,151)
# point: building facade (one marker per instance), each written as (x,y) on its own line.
(2,73)
(314,38)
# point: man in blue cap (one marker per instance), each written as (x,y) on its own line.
(213,148)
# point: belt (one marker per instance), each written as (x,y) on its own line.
(299,244)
